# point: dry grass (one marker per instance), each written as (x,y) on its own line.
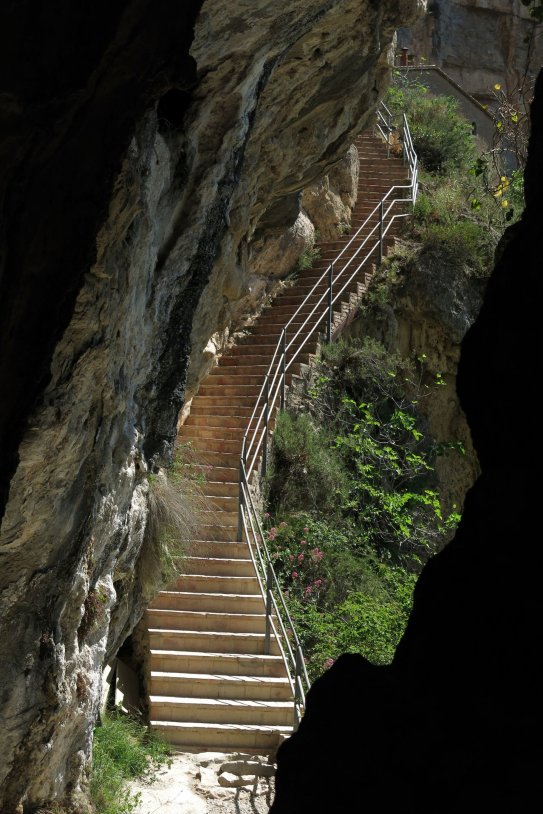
(176,502)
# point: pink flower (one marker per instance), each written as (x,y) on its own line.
(282,524)
(266,515)
(272,533)
(294,575)
(300,557)
(317,554)
(308,590)
(303,542)
(318,583)
(306,529)
(328,663)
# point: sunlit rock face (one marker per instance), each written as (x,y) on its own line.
(453,724)
(479,43)
(146,149)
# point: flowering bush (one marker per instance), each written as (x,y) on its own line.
(298,567)
(341,597)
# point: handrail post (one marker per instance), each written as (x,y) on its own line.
(330,307)
(297,681)
(266,423)
(389,131)
(241,493)
(283,367)
(381,228)
(269,583)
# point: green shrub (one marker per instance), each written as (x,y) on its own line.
(304,474)
(442,139)
(341,597)
(308,257)
(354,506)
(457,245)
(123,749)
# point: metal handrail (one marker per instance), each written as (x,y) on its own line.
(257,433)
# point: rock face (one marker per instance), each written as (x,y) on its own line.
(478,43)
(452,725)
(146,148)
(329,201)
(429,310)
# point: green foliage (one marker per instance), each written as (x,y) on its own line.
(94,609)
(308,257)
(352,485)
(341,597)
(536,9)
(441,137)
(123,750)
(304,473)
(464,203)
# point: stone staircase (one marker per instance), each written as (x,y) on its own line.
(211,685)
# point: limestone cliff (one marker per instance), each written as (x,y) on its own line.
(147,148)
(478,43)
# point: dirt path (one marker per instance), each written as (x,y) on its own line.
(209,783)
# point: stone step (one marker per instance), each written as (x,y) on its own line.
(220,549)
(252,664)
(218,566)
(215,445)
(204,620)
(351,288)
(192,432)
(202,685)
(214,737)
(211,407)
(213,602)
(280,321)
(356,255)
(260,361)
(209,457)
(221,710)
(265,339)
(307,347)
(210,640)
(198,418)
(244,390)
(218,532)
(225,401)
(220,489)
(215,583)
(243,374)
(219,473)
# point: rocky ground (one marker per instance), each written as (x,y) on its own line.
(209,783)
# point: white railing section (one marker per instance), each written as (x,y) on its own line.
(366,242)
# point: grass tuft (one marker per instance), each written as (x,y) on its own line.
(123,750)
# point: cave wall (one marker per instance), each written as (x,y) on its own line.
(452,725)
(144,148)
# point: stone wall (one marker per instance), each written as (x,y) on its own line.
(479,43)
